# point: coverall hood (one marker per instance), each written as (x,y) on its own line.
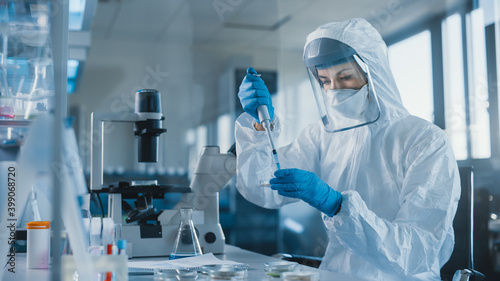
(361,36)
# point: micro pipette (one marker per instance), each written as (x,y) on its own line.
(265,120)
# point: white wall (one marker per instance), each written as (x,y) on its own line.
(115,70)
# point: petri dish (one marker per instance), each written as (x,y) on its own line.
(187,274)
(225,272)
(300,276)
(207,268)
(276,268)
(170,274)
(162,274)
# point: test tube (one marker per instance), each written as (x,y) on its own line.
(117,238)
(108,232)
(122,247)
(108,237)
(95,236)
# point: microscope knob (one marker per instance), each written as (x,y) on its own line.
(210,237)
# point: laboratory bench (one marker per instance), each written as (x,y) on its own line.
(255,263)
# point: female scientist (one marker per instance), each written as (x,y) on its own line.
(386,182)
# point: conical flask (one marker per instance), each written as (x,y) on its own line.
(186,243)
(31,211)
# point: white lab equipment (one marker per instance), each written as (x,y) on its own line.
(211,174)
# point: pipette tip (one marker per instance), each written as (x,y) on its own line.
(275,155)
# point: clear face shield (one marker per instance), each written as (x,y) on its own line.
(344,92)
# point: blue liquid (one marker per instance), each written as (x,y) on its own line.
(181,255)
(275,155)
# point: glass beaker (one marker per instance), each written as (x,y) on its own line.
(186,243)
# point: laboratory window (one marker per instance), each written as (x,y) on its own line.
(411,65)
(466,86)
(454,87)
(478,86)
(225,132)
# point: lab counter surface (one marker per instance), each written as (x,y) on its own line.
(255,271)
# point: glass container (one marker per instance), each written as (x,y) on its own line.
(161,274)
(170,274)
(225,272)
(275,269)
(186,242)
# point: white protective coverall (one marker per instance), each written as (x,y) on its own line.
(398,177)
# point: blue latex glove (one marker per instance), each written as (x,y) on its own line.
(253,92)
(307,186)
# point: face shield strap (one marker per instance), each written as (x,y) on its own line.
(353,127)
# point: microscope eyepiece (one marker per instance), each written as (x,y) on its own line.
(149,125)
(147,101)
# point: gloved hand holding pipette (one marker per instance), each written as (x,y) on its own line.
(254,93)
(256,101)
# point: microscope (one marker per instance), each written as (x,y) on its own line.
(150,232)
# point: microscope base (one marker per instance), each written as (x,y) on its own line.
(157,241)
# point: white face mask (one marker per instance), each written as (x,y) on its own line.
(348,103)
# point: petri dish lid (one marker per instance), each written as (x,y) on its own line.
(274,269)
(280,265)
(221,267)
(167,274)
(186,274)
(225,272)
(300,276)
